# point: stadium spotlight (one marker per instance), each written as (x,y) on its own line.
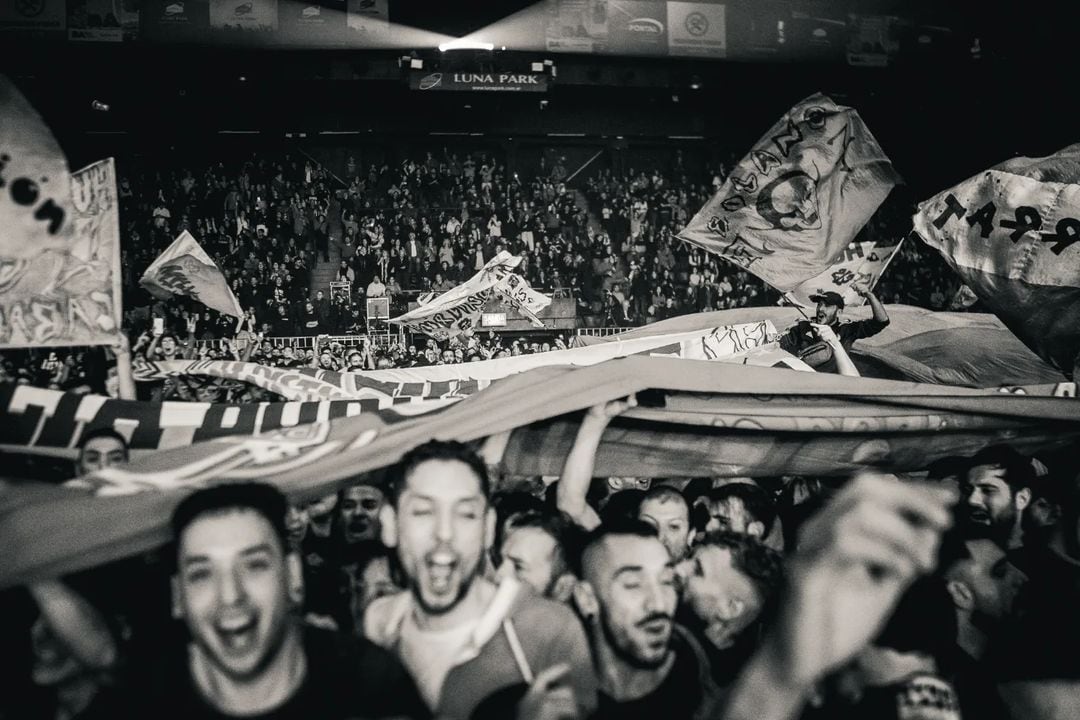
(416,64)
(99,106)
(463,44)
(695,82)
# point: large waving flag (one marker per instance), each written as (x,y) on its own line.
(790,207)
(185,269)
(60,244)
(1012,233)
(459,309)
(861,265)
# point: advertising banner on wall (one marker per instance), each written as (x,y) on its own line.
(102,20)
(32,15)
(482,81)
(638,28)
(577,25)
(697,29)
(244,14)
(369,16)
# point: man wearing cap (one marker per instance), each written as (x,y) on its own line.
(806,341)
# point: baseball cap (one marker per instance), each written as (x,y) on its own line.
(829,298)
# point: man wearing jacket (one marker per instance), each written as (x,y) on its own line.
(471,644)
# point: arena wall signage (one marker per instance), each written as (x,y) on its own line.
(478,81)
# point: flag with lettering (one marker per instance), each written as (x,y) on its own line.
(185,269)
(1012,233)
(861,266)
(459,309)
(790,207)
(60,245)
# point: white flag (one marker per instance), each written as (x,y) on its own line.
(185,269)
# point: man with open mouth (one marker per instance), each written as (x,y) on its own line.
(465,639)
(237,586)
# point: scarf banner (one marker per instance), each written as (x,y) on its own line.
(861,266)
(185,269)
(307,384)
(60,249)
(459,309)
(716,419)
(51,422)
(1012,233)
(789,208)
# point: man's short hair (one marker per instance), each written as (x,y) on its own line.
(105,432)
(755,500)
(616,526)
(557,524)
(663,494)
(266,500)
(1019,472)
(751,557)
(438,450)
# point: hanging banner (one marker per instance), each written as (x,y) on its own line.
(577,25)
(791,206)
(638,27)
(68,295)
(244,14)
(515,290)
(185,269)
(481,81)
(103,20)
(861,266)
(32,15)
(1012,233)
(369,16)
(697,29)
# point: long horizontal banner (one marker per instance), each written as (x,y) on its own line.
(761,421)
(309,384)
(51,422)
(472,81)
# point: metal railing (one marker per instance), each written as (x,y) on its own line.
(602,331)
(305,342)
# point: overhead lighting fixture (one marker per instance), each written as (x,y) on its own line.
(538,67)
(695,82)
(416,64)
(99,106)
(463,44)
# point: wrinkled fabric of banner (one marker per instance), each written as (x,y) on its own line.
(861,265)
(1012,233)
(717,419)
(184,268)
(790,207)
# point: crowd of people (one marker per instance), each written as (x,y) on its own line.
(441,588)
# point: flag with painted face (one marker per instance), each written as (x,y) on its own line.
(1012,234)
(185,269)
(790,207)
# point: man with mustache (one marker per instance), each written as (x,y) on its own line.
(648,666)
(466,640)
(812,341)
(994,494)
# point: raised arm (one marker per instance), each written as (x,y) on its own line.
(578,469)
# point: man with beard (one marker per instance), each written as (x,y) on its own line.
(648,666)
(236,587)
(463,638)
(995,492)
(808,341)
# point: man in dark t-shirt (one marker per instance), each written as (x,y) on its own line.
(236,587)
(804,341)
